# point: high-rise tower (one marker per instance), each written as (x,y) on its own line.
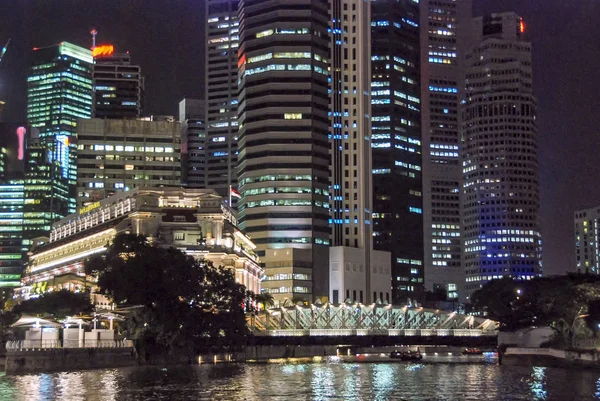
(118,85)
(445,28)
(59,93)
(221,99)
(396,142)
(356,271)
(193,143)
(501,227)
(283,140)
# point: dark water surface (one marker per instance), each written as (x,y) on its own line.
(444,379)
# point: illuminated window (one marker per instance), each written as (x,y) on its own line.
(292,116)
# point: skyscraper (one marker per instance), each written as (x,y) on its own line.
(221,98)
(11,233)
(118,85)
(445,28)
(31,199)
(396,142)
(500,199)
(59,93)
(356,271)
(283,141)
(193,143)
(587,231)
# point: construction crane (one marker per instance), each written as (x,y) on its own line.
(4,51)
(3,103)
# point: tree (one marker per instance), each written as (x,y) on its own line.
(184,303)
(563,303)
(496,299)
(265,299)
(59,304)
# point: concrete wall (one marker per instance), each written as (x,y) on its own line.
(58,359)
(526,338)
(550,357)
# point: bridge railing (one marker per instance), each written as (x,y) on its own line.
(373,319)
(391,333)
(53,344)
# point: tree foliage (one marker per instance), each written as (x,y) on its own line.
(59,304)
(183,302)
(565,303)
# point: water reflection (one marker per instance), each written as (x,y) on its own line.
(537,383)
(310,381)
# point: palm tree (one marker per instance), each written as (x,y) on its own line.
(266,299)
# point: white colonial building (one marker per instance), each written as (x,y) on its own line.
(196,221)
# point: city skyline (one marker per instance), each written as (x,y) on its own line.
(551,50)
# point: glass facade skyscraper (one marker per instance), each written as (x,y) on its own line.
(60,92)
(396,142)
(30,201)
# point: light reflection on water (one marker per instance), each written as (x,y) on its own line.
(304,380)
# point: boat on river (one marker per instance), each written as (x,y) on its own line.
(406,355)
(472,351)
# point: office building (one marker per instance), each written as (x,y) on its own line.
(283,168)
(119,155)
(357,272)
(118,85)
(396,142)
(11,233)
(193,143)
(196,221)
(445,28)
(500,198)
(587,250)
(221,98)
(31,199)
(59,94)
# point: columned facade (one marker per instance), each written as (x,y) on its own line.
(193,220)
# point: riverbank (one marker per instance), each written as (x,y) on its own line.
(67,359)
(550,357)
(61,359)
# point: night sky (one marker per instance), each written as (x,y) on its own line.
(165,37)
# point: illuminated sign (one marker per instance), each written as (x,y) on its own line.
(88,208)
(103,51)
(10,277)
(522,26)
(21,131)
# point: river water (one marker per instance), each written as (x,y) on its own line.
(442,379)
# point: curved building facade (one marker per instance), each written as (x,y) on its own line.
(283,161)
(501,227)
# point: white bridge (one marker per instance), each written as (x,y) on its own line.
(367,320)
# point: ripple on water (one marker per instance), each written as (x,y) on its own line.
(310,381)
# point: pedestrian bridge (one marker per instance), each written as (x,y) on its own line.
(355,320)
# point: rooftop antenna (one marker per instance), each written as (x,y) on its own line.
(94,32)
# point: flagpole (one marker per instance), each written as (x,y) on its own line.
(230,196)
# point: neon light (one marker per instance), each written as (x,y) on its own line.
(103,50)
(522,26)
(21,131)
